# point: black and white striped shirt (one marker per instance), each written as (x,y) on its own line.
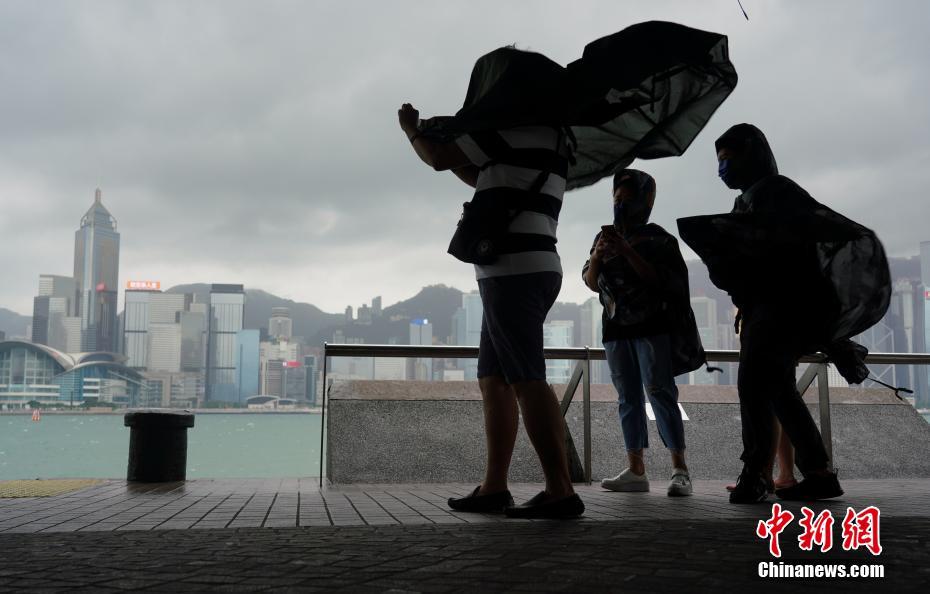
(510,161)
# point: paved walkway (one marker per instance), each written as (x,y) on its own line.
(237,535)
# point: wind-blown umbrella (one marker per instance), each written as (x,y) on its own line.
(644,92)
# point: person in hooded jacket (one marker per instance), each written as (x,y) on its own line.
(641,277)
(778,321)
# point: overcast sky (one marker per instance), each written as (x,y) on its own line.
(257,142)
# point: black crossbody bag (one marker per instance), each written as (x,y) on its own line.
(482,228)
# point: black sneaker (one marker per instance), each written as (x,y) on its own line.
(812,488)
(494,503)
(751,487)
(567,507)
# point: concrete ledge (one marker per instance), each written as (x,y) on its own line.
(403,432)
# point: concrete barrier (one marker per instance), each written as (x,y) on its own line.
(410,432)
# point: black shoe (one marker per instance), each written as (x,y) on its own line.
(567,507)
(494,503)
(751,487)
(812,488)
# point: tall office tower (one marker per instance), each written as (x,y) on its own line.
(903,318)
(591,335)
(225,320)
(280,325)
(421,333)
(364,315)
(272,357)
(135,327)
(310,378)
(193,338)
(52,312)
(144,308)
(705,314)
(96,274)
(349,316)
(466,330)
(247,364)
(376,306)
(558,333)
(164,347)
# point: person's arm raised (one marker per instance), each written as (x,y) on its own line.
(440,156)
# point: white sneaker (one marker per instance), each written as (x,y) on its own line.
(680,484)
(626,482)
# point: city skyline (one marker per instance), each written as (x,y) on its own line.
(228,157)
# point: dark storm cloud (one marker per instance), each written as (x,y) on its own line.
(257,142)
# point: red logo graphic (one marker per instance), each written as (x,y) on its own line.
(817,531)
(774,526)
(861,530)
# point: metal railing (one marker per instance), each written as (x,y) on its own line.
(816,369)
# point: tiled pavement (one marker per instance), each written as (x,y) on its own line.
(288,534)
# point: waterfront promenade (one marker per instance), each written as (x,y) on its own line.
(288,534)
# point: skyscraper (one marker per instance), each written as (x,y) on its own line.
(280,325)
(591,336)
(53,313)
(922,393)
(558,333)
(466,330)
(421,333)
(96,274)
(226,318)
(705,314)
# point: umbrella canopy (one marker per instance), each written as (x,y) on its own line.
(644,92)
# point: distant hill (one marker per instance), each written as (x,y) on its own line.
(12,323)
(308,319)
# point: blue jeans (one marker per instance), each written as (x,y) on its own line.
(648,360)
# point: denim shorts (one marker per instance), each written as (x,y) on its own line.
(515,308)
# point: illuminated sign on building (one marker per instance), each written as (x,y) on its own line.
(143,285)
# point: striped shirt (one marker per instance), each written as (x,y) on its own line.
(509,162)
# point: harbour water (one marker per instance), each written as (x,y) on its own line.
(244,445)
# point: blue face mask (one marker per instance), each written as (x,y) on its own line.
(725,173)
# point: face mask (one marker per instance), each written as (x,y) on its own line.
(619,214)
(726,173)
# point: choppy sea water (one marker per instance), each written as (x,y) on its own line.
(219,446)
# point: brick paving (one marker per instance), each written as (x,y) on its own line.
(233,535)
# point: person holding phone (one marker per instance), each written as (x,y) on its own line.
(642,280)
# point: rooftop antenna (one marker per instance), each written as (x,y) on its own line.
(743,9)
(97,195)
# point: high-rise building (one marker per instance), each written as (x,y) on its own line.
(145,307)
(280,325)
(591,335)
(194,337)
(53,311)
(376,306)
(705,314)
(96,276)
(310,378)
(272,358)
(466,330)
(558,333)
(922,393)
(225,320)
(164,347)
(247,364)
(421,333)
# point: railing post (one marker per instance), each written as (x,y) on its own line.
(826,428)
(586,393)
(323,415)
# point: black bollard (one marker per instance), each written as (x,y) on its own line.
(157,445)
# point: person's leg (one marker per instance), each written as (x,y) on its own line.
(784,451)
(754,387)
(542,418)
(501,419)
(655,361)
(625,375)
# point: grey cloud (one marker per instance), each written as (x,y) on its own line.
(257,143)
